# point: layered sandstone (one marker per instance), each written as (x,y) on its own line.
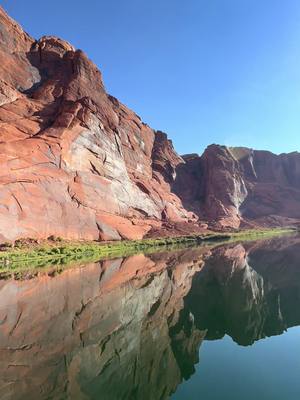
(241,187)
(76,163)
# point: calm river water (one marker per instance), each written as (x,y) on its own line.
(206,323)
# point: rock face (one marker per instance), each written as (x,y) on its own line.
(241,187)
(76,163)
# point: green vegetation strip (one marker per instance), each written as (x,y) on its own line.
(61,253)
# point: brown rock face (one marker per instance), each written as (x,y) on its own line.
(236,187)
(76,163)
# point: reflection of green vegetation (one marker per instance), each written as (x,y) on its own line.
(58,254)
(257,233)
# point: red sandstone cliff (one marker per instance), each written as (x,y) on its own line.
(76,163)
(237,187)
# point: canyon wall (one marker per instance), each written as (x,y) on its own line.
(77,163)
(240,187)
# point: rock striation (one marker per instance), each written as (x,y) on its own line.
(77,163)
(240,187)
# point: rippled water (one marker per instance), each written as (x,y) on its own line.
(209,323)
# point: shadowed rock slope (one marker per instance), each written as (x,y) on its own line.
(76,163)
(241,187)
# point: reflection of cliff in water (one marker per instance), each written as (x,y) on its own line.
(101,330)
(131,328)
(248,292)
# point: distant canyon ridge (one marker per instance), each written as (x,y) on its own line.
(78,164)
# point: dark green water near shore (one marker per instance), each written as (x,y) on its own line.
(209,323)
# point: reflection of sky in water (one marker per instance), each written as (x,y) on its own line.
(267,370)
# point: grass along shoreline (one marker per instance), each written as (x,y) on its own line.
(31,255)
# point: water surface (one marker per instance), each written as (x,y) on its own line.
(210,323)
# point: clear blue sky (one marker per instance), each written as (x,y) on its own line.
(204,71)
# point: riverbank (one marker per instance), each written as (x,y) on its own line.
(32,254)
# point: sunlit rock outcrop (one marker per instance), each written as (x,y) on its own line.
(77,163)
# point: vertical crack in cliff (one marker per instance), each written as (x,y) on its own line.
(16,324)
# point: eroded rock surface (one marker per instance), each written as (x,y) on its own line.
(241,187)
(76,163)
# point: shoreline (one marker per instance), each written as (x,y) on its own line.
(28,255)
